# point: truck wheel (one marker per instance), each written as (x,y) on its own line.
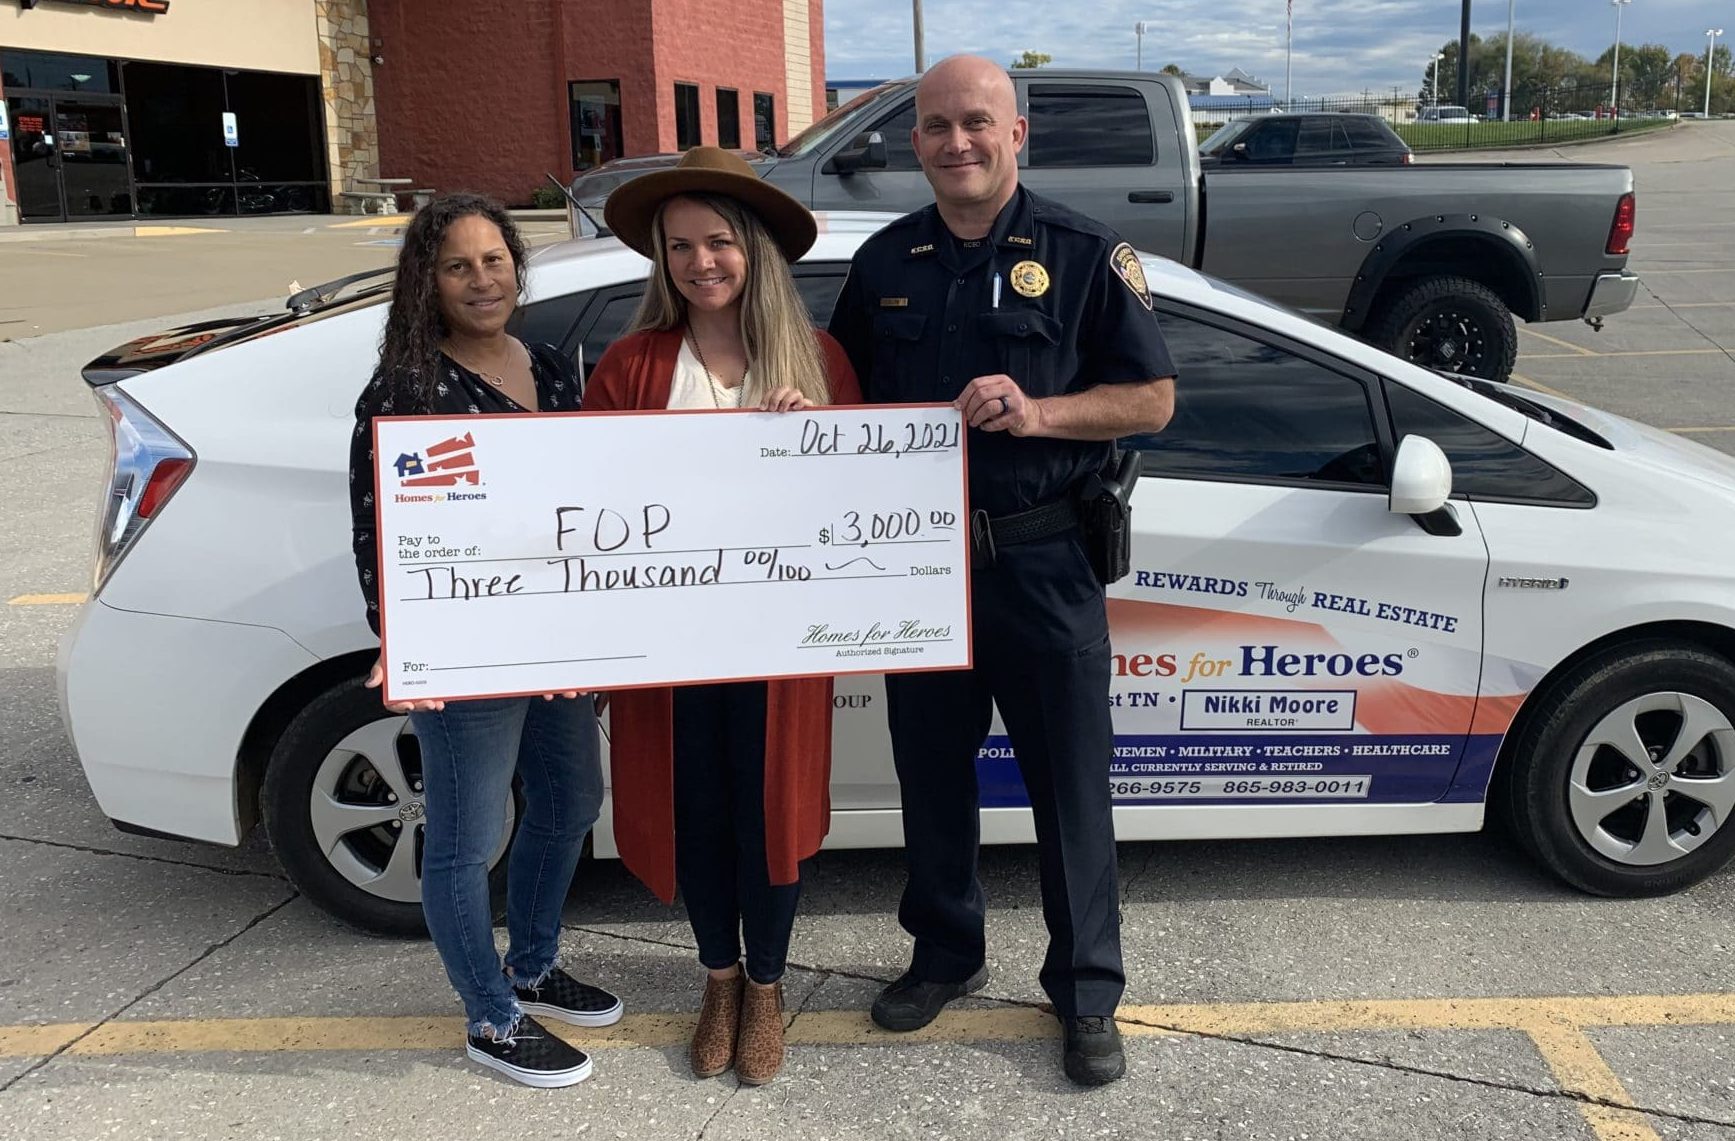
(1451,324)
(1623,780)
(342,803)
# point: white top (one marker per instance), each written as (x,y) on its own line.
(692,388)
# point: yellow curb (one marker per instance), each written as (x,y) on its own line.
(372,220)
(1544,1018)
(47,600)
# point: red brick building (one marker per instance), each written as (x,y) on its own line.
(488,95)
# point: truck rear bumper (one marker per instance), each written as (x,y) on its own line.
(1612,293)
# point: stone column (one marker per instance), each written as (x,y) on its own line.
(346,86)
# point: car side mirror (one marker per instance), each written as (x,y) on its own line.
(1421,485)
(1239,150)
(867,152)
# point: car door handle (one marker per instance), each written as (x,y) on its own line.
(1151,196)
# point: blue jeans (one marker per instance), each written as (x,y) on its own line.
(469,752)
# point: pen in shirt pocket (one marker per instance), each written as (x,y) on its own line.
(996,303)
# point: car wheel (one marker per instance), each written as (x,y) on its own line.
(1623,780)
(343,807)
(1451,324)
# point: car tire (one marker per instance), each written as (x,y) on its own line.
(342,806)
(1578,801)
(1451,324)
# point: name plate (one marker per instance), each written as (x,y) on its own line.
(538,554)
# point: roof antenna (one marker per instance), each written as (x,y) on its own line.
(576,205)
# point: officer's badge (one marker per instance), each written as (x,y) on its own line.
(1127,268)
(1029,279)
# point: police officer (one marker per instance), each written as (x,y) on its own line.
(1036,323)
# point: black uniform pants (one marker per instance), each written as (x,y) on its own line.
(720,860)
(1041,654)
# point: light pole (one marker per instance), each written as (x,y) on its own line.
(1614,96)
(1139,31)
(1506,91)
(1438,56)
(1288,49)
(1710,56)
(921,51)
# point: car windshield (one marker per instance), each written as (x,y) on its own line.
(827,127)
(1225,136)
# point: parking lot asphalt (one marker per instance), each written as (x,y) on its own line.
(1419,988)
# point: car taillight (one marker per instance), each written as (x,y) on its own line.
(165,477)
(147,465)
(1621,232)
(1409,158)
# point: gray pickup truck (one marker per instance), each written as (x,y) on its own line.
(1430,261)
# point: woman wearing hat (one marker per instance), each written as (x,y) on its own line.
(722,789)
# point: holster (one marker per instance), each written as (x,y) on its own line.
(1105,515)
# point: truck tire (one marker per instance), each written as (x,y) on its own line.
(1451,324)
(342,804)
(1612,824)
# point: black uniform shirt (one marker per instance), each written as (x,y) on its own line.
(1051,298)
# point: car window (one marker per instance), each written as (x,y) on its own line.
(1315,137)
(896,128)
(1247,409)
(1225,136)
(819,284)
(548,321)
(607,321)
(1275,141)
(1485,464)
(1089,125)
(1365,134)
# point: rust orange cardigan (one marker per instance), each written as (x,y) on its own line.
(636,373)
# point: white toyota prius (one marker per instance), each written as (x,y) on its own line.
(1365,599)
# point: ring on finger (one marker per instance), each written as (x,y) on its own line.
(1004,406)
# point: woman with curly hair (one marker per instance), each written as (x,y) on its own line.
(446,352)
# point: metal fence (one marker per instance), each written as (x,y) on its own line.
(1537,116)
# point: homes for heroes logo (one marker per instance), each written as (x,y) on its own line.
(449,463)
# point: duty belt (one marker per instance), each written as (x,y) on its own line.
(988,535)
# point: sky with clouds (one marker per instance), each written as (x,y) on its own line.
(1341,46)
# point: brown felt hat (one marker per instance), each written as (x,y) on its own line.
(632,208)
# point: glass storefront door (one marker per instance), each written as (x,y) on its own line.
(34,158)
(91,140)
(70,155)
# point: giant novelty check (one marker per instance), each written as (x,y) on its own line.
(536,554)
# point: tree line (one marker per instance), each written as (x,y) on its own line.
(1653,76)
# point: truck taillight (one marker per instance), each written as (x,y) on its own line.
(147,465)
(1621,232)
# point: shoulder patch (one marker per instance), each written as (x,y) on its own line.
(1125,264)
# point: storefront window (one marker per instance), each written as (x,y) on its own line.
(277,126)
(596,122)
(100,138)
(176,118)
(48,71)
